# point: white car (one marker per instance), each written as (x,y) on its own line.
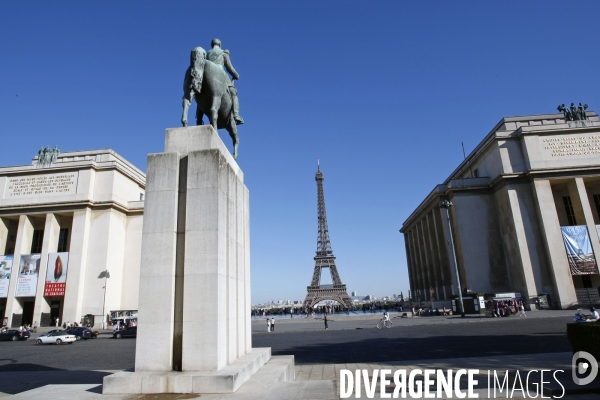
(55,337)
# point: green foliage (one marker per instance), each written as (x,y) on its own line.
(585,337)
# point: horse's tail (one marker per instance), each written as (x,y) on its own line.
(197,61)
(187,81)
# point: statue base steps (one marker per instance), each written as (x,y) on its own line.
(275,380)
(226,380)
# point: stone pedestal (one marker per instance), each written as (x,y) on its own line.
(194,333)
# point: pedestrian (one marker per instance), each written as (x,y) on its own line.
(325,320)
(272,324)
(522,310)
(595,316)
(56,322)
(268,325)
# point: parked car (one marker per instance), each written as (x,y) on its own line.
(52,331)
(14,335)
(83,333)
(127,332)
(59,337)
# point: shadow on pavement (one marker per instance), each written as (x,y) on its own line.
(377,346)
(16,381)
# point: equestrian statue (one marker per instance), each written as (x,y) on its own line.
(207,82)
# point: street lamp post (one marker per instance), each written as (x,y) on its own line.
(446,205)
(106,276)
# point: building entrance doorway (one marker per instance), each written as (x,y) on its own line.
(54,312)
(28,312)
(2,310)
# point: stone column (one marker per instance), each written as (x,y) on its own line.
(555,249)
(415,264)
(49,245)
(22,246)
(584,203)
(214,282)
(244,254)
(576,202)
(420,281)
(78,249)
(425,254)
(532,279)
(438,232)
(156,314)
(3,235)
(433,253)
(408,260)
(206,302)
(112,227)
(449,250)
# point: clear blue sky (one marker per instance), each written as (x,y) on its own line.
(382,92)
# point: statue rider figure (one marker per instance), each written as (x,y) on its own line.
(221,57)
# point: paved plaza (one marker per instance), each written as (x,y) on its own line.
(513,343)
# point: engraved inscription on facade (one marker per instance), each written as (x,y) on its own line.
(572,145)
(41,185)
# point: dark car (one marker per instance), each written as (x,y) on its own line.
(83,333)
(127,332)
(13,334)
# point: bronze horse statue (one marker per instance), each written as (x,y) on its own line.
(206,82)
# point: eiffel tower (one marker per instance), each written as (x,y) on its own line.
(325,259)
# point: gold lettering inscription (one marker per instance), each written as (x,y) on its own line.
(42,185)
(572,145)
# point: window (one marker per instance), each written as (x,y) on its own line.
(569,210)
(63,240)
(36,243)
(597,202)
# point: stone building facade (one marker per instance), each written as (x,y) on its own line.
(529,179)
(70,238)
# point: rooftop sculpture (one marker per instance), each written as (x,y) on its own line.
(574,113)
(47,155)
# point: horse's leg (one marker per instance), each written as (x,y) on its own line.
(232,129)
(186,106)
(214,111)
(199,115)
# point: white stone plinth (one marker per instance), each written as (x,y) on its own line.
(194,333)
(226,380)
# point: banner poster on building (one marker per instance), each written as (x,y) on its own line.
(56,274)
(29,269)
(5,268)
(579,250)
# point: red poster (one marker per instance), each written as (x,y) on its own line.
(54,289)
(56,274)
